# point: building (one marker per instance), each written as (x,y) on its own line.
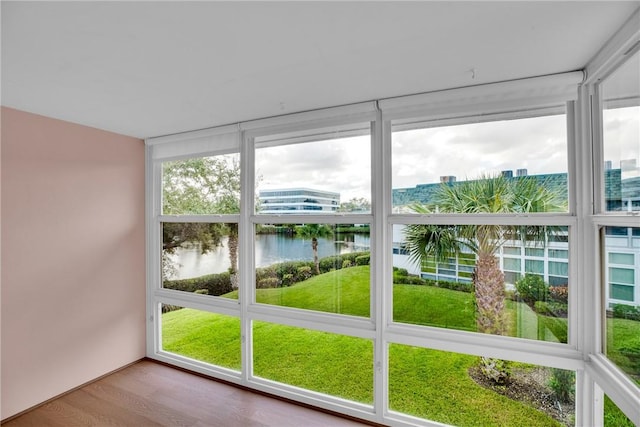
(548,260)
(298,201)
(87,87)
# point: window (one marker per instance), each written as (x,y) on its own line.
(423,170)
(618,144)
(346,258)
(620,93)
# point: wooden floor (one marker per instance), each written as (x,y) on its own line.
(152,394)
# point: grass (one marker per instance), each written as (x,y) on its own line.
(422,382)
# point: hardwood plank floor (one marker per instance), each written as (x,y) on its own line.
(148,393)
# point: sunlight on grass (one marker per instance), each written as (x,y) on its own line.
(208,337)
(422,382)
(436,385)
(333,364)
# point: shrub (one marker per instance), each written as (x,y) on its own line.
(400,271)
(269,282)
(287,280)
(497,370)
(559,294)
(215,284)
(346,263)
(550,308)
(532,288)
(303,273)
(363,259)
(201,291)
(624,311)
(166,308)
(562,383)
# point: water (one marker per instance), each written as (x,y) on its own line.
(270,249)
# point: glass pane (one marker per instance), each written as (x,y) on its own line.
(451,388)
(508,250)
(613,416)
(200,335)
(327,363)
(512,264)
(621,275)
(559,268)
(200,257)
(538,252)
(534,266)
(319,267)
(488,161)
(487,299)
(203,185)
(623,306)
(626,259)
(621,133)
(318,172)
(558,253)
(621,292)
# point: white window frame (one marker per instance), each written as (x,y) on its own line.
(595,375)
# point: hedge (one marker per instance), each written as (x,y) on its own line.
(215,284)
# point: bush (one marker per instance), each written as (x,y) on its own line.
(532,288)
(201,291)
(562,383)
(624,311)
(269,282)
(335,262)
(287,280)
(215,284)
(559,294)
(363,259)
(346,263)
(303,273)
(554,309)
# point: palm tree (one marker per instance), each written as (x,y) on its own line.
(314,231)
(485,195)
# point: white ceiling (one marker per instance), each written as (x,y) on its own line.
(154,68)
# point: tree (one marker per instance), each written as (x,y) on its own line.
(202,185)
(356,204)
(314,231)
(485,195)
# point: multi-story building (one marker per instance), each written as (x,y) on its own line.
(549,259)
(298,201)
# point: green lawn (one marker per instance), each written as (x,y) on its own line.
(425,383)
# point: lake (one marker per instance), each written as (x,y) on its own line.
(270,249)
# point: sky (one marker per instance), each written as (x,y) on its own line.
(422,156)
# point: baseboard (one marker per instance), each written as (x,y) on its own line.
(14,416)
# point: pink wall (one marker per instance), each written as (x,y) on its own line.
(73,261)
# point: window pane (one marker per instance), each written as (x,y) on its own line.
(621,292)
(450,388)
(202,185)
(558,268)
(200,257)
(621,275)
(621,133)
(533,266)
(622,302)
(512,264)
(509,250)
(328,363)
(319,267)
(425,171)
(200,335)
(559,253)
(486,300)
(626,259)
(318,172)
(538,252)
(613,416)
